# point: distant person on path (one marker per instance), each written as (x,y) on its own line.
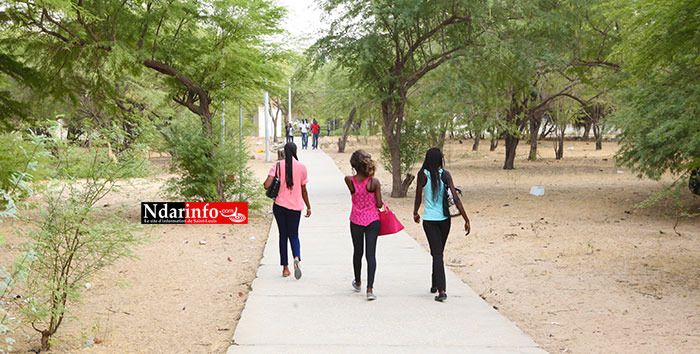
(290,133)
(328,126)
(364,218)
(289,204)
(435,223)
(315,130)
(304,128)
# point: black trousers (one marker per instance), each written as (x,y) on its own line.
(359,235)
(436,232)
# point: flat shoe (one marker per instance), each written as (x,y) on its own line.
(297,270)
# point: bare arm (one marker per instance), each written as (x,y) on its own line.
(348,182)
(377,192)
(268,182)
(305,196)
(420,183)
(458,203)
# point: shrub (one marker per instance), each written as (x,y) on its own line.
(203,167)
(17,171)
(76,162)
(22,160)
(72,240)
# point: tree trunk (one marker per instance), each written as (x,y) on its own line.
(560,149)
(392,116)
(45,336)
(475,147)
(598,137)
(275,119)
(511,146)
(407,183)
(587,129)
(346,130)
(535,123)
(494,139)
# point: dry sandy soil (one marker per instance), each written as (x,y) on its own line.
(580,269)
(177,297)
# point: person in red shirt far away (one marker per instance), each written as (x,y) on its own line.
(315,130)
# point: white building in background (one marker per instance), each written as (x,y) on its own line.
(259,120)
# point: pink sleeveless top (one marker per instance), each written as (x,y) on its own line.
(364,208)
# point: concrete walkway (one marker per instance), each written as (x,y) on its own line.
(320,313)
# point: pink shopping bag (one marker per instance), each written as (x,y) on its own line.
(388,223)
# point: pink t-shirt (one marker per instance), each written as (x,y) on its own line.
(290,198)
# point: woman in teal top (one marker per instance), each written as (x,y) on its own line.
(435,223)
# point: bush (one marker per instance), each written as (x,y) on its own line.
(76,162)
(208,170)
(18,155)
(72,240)
(15,185)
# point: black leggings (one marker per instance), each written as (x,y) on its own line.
(436,232)
(359,234)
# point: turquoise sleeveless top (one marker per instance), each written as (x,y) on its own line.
(433,206)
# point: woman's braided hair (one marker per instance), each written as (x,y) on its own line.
(362,162)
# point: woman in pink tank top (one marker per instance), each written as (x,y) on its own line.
(364,217)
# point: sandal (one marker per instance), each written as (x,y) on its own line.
(285,272)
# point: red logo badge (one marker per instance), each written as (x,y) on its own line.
(216,213)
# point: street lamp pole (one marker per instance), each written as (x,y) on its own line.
(289,101)
(267,129)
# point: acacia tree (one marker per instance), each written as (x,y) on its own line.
(657,98)
(194,46)
(539,56)
(389,46)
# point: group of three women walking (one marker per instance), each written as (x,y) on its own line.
(367,203)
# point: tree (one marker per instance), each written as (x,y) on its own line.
(389,46)
(193,46)
(657,97)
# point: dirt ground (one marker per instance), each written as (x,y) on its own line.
(580,269)
(177,297)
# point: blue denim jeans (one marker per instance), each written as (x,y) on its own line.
(304,140)
(288,225)
(315,142)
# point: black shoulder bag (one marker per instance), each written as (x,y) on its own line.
(448,201)
(275,186)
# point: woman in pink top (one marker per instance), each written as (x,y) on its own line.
(289,204)
(364,217)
